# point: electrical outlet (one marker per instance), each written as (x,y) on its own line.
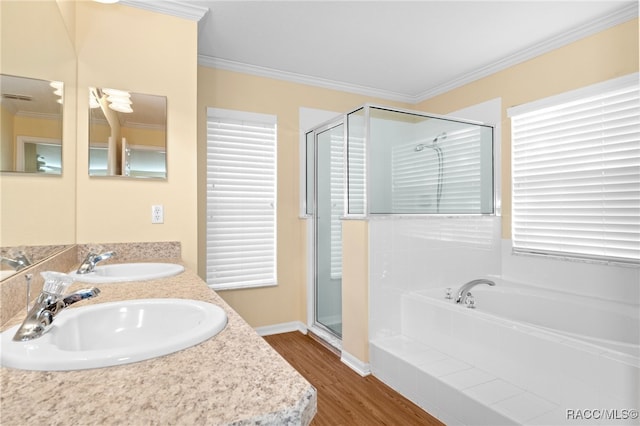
(157,214)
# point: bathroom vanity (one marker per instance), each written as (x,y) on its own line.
(233,378)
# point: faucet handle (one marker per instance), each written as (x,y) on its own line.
(95,248)
(471,301)
(56,283)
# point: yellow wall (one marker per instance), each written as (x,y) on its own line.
(30,126)
(131,49)
(355,288)
(124,47)
(99,133)
(39,210)
(231,90)
(13,126)
(597,58)
(144,137)
(603,56)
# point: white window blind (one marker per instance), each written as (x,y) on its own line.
(576,174)
(337,202)
(241,199)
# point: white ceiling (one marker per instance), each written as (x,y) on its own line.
(398,50)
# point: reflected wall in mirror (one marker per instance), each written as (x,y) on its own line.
(31,117)
(127,134)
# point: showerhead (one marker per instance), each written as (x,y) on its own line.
(442,135)
(422,146)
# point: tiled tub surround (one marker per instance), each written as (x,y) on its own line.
(233,378)
(470,366)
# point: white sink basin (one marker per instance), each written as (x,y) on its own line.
(120,272)
(115,333)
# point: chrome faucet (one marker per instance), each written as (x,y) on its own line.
(21,261)
(92,259)
(463,292)
(49,304)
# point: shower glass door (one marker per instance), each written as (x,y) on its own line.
(329,208)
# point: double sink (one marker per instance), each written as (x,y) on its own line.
(115,333)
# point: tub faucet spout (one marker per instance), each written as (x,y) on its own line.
(464,290)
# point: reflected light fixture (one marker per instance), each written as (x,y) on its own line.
(121,107)
(93,102)
(58,86)
(119,100)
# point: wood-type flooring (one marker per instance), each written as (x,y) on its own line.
(344,397)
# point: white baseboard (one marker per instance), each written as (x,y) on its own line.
(362,368)
(285,327)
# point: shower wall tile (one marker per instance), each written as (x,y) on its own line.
(622,378)
(410,254)
(603,281)
(385,311)
(525,407)
(493,391)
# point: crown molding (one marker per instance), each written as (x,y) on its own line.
(170,7)
(617,17)
(224,64)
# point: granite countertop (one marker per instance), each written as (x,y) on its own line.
(233,378)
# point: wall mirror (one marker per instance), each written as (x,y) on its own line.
(127,134)
(35,43)
(31,117)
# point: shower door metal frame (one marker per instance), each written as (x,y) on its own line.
(315,326)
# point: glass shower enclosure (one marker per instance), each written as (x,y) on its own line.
(409,162)
(379,160)
(325,160)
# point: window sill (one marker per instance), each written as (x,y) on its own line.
(240,286)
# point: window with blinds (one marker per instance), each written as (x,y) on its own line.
(336,188)
(241,199)
(576,173)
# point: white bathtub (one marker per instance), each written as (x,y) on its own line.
(602,324)
(546,352)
